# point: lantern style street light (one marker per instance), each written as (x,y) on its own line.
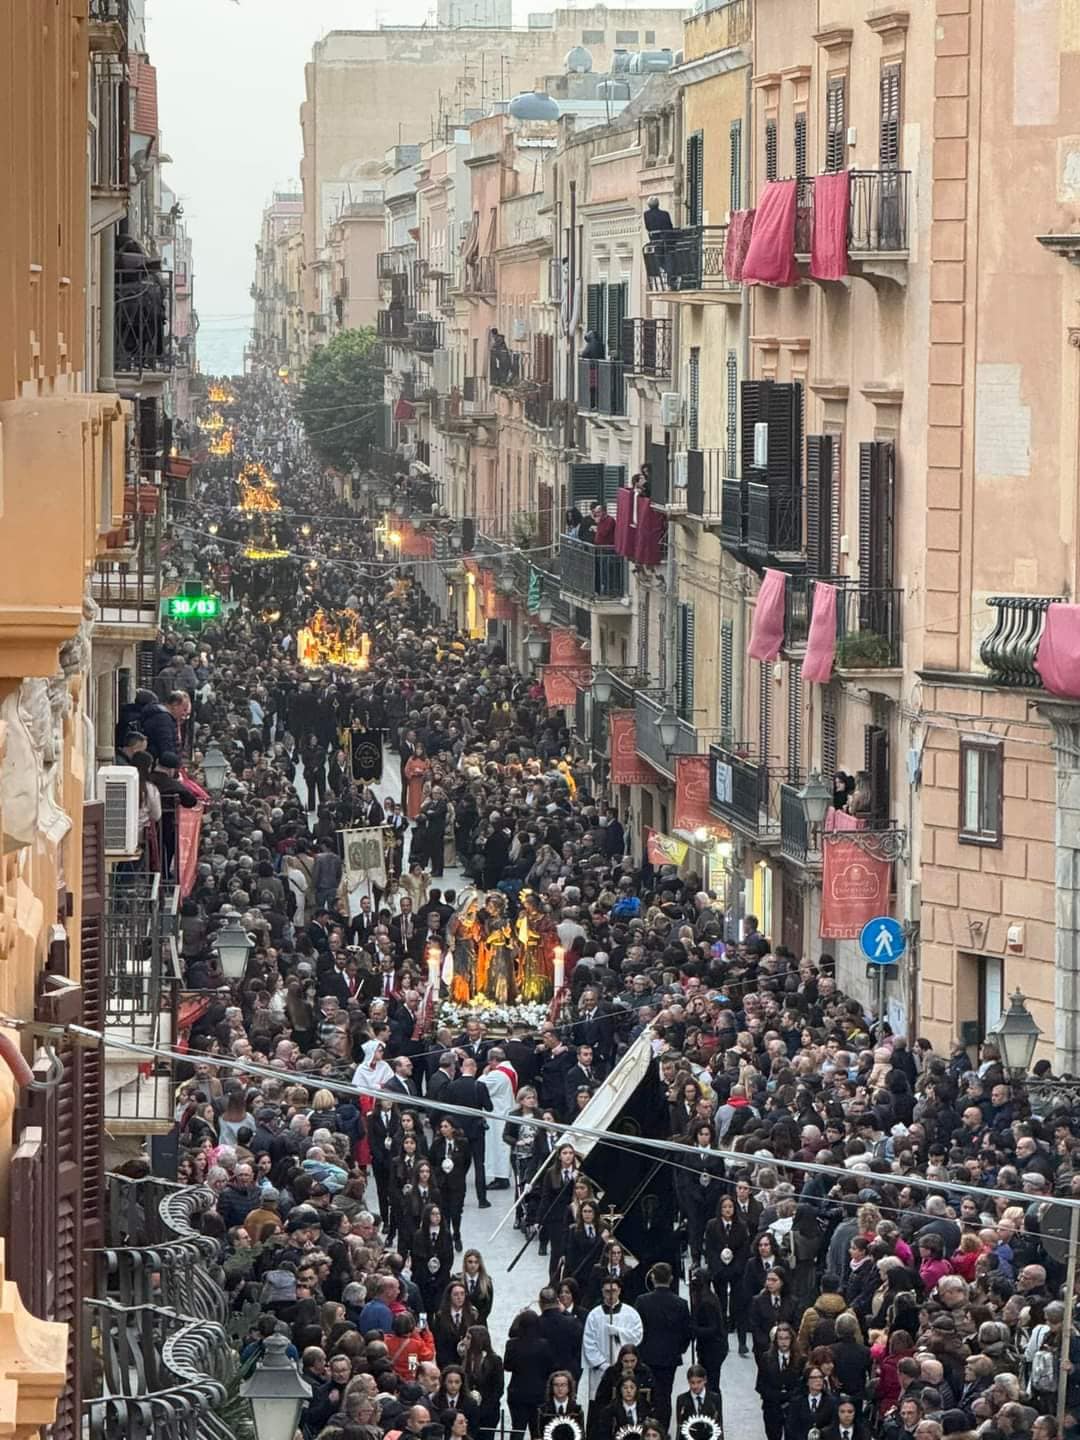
(276,1392)
(233,946)
(215,769)
(667,727)
(601,687)
(815,797)
(1016,1035)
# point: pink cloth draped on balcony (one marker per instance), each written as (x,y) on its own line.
(1058,657)
(739,230)
(770,257)
(841,820)
(767,631)
(828,252)
(821,639)
(650,533)
(625,538)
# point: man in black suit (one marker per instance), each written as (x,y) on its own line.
(318,932)
(436,906)
(656,219)
(586,1073)
(667,1333)
(522,1052)
(595,1025)
(466,1090)
(472,1042)
(406,933)
(362,925)
(562,1330)
(699,1399)
(815,1410)
(439,1081)
(847,1425)
(402,1082)
(332,980)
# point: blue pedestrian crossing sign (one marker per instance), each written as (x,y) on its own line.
(882,940)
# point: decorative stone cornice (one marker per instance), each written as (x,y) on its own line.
(834,37)
(888,23)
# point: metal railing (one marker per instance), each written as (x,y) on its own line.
(646,347)
(1009,650)
(129,590)
(537,406)
(869,625)
(705,481)
(744,792)
(601,387)
(878,212)
(104,12)
(759,523)
(427,334)
(391,263)
(794,827)
(393,324)
(688,259)
(647,712)
(594,572)
(144,299)
(111,98)
(478,276)
(507,367)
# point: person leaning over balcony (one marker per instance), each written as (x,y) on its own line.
(603,525)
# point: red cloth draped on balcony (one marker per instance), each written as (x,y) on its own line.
(740,228)
(770,257)
(767,631)
(828,251)
(821,638)
(639,528)
(1058,657)
(404,410)
(624,521)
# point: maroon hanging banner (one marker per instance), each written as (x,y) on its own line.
(692,793)
(855,887)
(627,766)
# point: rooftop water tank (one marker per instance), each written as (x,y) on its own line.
(650,62)
(534,105)
(578,61)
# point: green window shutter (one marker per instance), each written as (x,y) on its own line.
(752,395)
(595,308)
(819,505)
(877,498)
(695,177)
(612,481)
(615,315)
(772,152)
(727,680)
(889,118)
(732,437)
(684,675)
(835,123)
(586,484)
(693,416)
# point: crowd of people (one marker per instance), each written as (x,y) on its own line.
(830,1205)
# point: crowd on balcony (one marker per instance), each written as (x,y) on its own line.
(857,1216)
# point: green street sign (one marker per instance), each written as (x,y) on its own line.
(193,607)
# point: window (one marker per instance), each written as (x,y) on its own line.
(794,728)
(693,418)
(991,992)
(650,37)
(727,678)
(771,170)
(835,123)
(732,436)
(822,505)
(764,711)
(877,500)
(829,743)
(684,675)
(889,118)
(695,177)
(735,164)
(626,37)
(592,37)
(981,764)
(800,145)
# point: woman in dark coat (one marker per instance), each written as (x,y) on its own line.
(449,1335)
(727,1247)
(779,1379)
(485,1377)
(710,1332)
(698,1185)
(381,1124)
(560,1401)
(432,1257)
(450,1156)
(584,1243)
(769,1308)
(528,1360)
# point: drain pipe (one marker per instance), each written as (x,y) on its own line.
(107,320)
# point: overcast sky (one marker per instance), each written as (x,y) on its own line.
(230,83)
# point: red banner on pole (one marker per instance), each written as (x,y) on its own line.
(692,792)
(855,888)
(559,688)
(569,655)
(627,766)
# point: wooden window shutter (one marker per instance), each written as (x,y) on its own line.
(735,164)
(764,710)
(771,151)
(644,611)
(819,505)
(616,314)
(876,765)
(693,405)
(612,481)
(695,177)
(92,980)
(751,409)
(800,145)
(783,410)
(586,484)
(877,486)
(684,679)
(727,679)
(794,733)
(836,493)
(829,743)
(732,382)
(889,118)
(835,122)
(595,306)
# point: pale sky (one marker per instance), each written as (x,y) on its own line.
(230,83)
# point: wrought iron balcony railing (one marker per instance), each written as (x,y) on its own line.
(538,406)
(759,524)
(869,621)
(593,572)
(647,347)
(878,214)
(507,367)
(601,387)
(394,324)
(745,793)
(478,276)
(1009,650)
(688,259)
(648,711)
(427,334)
(144,301)
(705,480)
(794,827)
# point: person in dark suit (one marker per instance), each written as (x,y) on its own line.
(628,1409)
(667,1333)
(432,1257)
(595,1025)
(779,1379)
(560,1402)
(333,980)
(439,1080)
(362,924)
(451,1156)
(698,1185)
(556,1192)
(584,1243)
(847,1426)
(584,1072)
(467,1091)
(472,1042)
(656,220)
(406,932)
(748,1207)
(451,1323)
(401,1082)
(771,1307)
(816,1410)
(522,1054)
(562,1330)
(727,1247)
(710,1331)
(698,1399)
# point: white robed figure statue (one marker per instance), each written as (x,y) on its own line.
(501,1081)
(608,1327)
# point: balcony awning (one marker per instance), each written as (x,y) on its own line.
(767,630)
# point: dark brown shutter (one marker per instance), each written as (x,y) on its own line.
(594,308)
(876,764)
(819,506)
(764,711)
(693,417)
(752,410)
(616,313)
(889,118)
(92,978)
(829,740)
(695,177)
(877,487)
(800,145)
(771,152)
(835,122)
(735,165)
(794,734)
(727,679)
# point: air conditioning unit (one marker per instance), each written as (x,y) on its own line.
(761,445)
(518,330)
(671,409)
(118,788)
(682,469)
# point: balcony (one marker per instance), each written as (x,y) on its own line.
(594,573)
(109,101)
(705,480)
(506,367)
(794,827)
(427,335)
(690,262)
(538,406)
(1009,650)
(478,277)
(759,526)
(646,345)
(647,711)
(601,387)
(144,341)
(394,324)
(108,27)
(142,988)
(127,583)
(745,793)
(877,224)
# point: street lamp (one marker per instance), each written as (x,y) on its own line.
(276,1392)
(815,797)
(602,687)
(215,769)
(233,947)
(1016,1034)
(545,611)
(667,727)
(506,583)
(534,644)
